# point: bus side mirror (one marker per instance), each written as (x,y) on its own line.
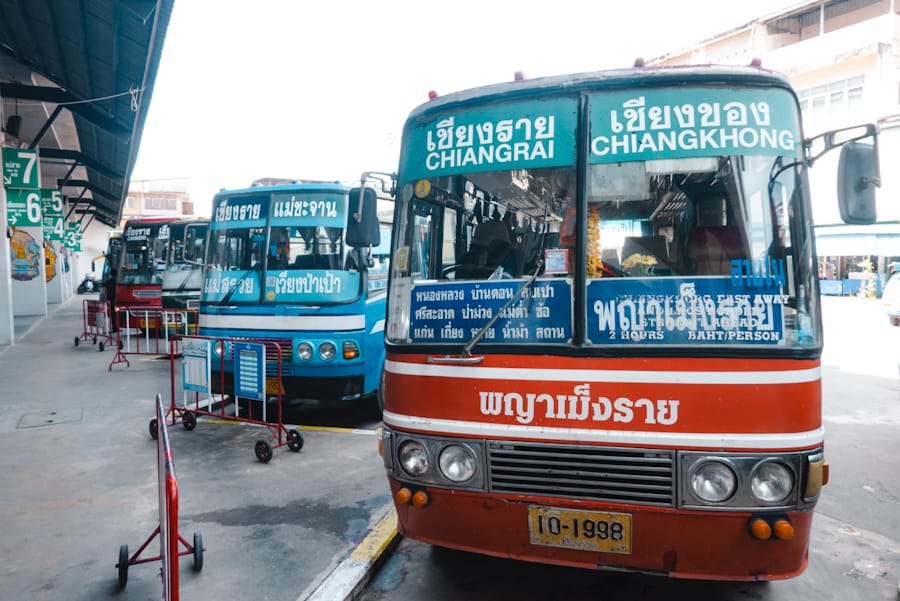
(362,218)
(858,177)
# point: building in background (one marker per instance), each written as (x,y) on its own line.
(843,58)
(158,198)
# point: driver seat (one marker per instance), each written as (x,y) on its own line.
(491,245)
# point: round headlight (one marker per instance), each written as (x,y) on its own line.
(771,482)
(304,350)
(413,458)
(327,350)
(457,463)
(713,481)
(219,348)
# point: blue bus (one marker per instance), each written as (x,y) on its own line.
(305,266)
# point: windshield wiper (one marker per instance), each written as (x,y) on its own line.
(466,352)
(224,300)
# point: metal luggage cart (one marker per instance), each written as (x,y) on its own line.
(96,324)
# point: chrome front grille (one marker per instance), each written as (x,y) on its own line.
(640,476)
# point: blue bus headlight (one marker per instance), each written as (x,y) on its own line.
(327,350)
(413,458)
(771,482)
(457,463)
(304,351)
(219,348)
(713,481)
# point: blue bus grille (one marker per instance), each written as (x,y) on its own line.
(284,345)
(639,476)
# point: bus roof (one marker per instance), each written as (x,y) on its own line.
(608,80)
(305,187)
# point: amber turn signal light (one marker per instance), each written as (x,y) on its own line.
(784,530)
(760,529)
(420,498)
(403,496)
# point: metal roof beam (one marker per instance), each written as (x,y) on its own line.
(94,188)
(62,97)
(79,157)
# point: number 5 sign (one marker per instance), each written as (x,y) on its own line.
(20,168)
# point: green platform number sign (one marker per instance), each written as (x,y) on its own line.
(54,222)
(20,169)
(23,208)
(72,239)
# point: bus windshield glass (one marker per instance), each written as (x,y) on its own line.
(280,247)
(681,223)
(144,250)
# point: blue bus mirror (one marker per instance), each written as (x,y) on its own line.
(362,218)
(858,176)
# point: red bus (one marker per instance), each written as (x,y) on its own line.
(142,262)
(603,326)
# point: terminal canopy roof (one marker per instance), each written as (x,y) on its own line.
(76,78)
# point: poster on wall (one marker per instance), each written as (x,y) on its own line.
(25,255)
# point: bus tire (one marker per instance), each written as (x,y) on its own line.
(153,429)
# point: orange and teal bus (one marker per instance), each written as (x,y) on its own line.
(603,331)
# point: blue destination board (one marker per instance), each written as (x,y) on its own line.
(456,312)
(679,311)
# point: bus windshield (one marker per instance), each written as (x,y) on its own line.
(144,250)
(677,237)
(280,247)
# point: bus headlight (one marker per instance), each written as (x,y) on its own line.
(413,458)
(457,463)
(713,481)
(219,348)
(771,482)
(327,350)
(304,351)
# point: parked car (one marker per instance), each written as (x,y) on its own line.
(890,299)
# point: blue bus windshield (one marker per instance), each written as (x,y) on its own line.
(280,246)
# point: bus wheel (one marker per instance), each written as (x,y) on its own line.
(76,341)
(295,440)
(101,346)
(153,429)
(190,421)
(263,451)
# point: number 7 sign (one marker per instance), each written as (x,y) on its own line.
(21,168)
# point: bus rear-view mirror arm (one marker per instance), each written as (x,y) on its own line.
(859,172)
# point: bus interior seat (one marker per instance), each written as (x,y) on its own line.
(712,248)
(305,262)
(491,245)
(713,242)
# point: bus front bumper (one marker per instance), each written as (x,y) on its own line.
(715,545)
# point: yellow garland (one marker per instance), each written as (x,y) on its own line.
(593,243)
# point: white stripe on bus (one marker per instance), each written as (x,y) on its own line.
(284,322)
(794,376)
(784,440)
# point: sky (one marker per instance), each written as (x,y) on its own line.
(320,90)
